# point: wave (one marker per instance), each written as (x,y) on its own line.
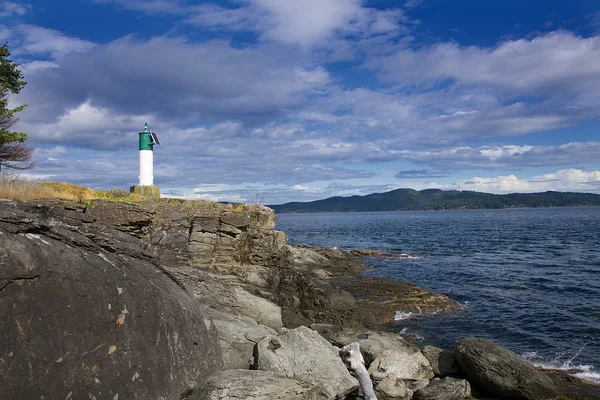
(590,376)
(582,371)
(400,316)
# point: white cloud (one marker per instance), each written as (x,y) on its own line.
(556,64)
(572,180)
(309,23)
(86,126)
(9,8)
(301,188)
(514,156)
(152,7)
(211,80)
(35,40)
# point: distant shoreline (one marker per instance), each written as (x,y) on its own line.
(438,200)
(432,209)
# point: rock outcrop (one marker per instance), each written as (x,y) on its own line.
(86,314)
(173,299)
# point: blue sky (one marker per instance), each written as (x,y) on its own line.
(297,100)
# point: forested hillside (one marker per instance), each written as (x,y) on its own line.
(435,199)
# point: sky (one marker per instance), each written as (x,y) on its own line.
(272,101)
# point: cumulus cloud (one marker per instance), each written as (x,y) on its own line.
(572,180)
(86,126)
(557,64)
(9,8)
(275,115)
(400,120)
(208,81)
(306,23)
(38,41)
(505,156)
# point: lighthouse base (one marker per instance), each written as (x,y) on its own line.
(146,190)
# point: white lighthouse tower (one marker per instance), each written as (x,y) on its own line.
(146,186)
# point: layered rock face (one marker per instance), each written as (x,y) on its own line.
(86,314)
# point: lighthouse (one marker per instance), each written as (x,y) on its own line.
(146,187)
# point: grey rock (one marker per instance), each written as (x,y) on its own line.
(444,389)
(372,343)
(442,361)
(500,371)
(306,257)
(261,310)
(416,384)
(306,356)
(237,336)
(250,385)
(392,387)
(401,364)
(86,313)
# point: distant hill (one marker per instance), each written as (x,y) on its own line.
(436,199)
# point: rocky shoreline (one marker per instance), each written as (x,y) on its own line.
(175,299)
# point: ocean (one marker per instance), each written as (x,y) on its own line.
(529,279)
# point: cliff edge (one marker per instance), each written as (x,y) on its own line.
(147,300)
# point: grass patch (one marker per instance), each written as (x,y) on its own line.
(14,187)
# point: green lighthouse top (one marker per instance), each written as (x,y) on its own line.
(145,139)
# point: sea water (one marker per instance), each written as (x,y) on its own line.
(529,279)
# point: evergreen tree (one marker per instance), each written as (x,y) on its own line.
(14,153)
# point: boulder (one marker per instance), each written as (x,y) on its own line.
(401,363)
(372,343)
(86,314)
(500,371)
(444,389)
(250,385)
(306,356)
(237,336)
(442,361)
(392,387)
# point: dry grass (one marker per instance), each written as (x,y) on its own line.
(13,187)
(17,188)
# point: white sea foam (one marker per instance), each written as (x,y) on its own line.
(579,370)
(406,315)
(590,376)
(402,315)
(409,256)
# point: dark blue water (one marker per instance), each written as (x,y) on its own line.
(529,278)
